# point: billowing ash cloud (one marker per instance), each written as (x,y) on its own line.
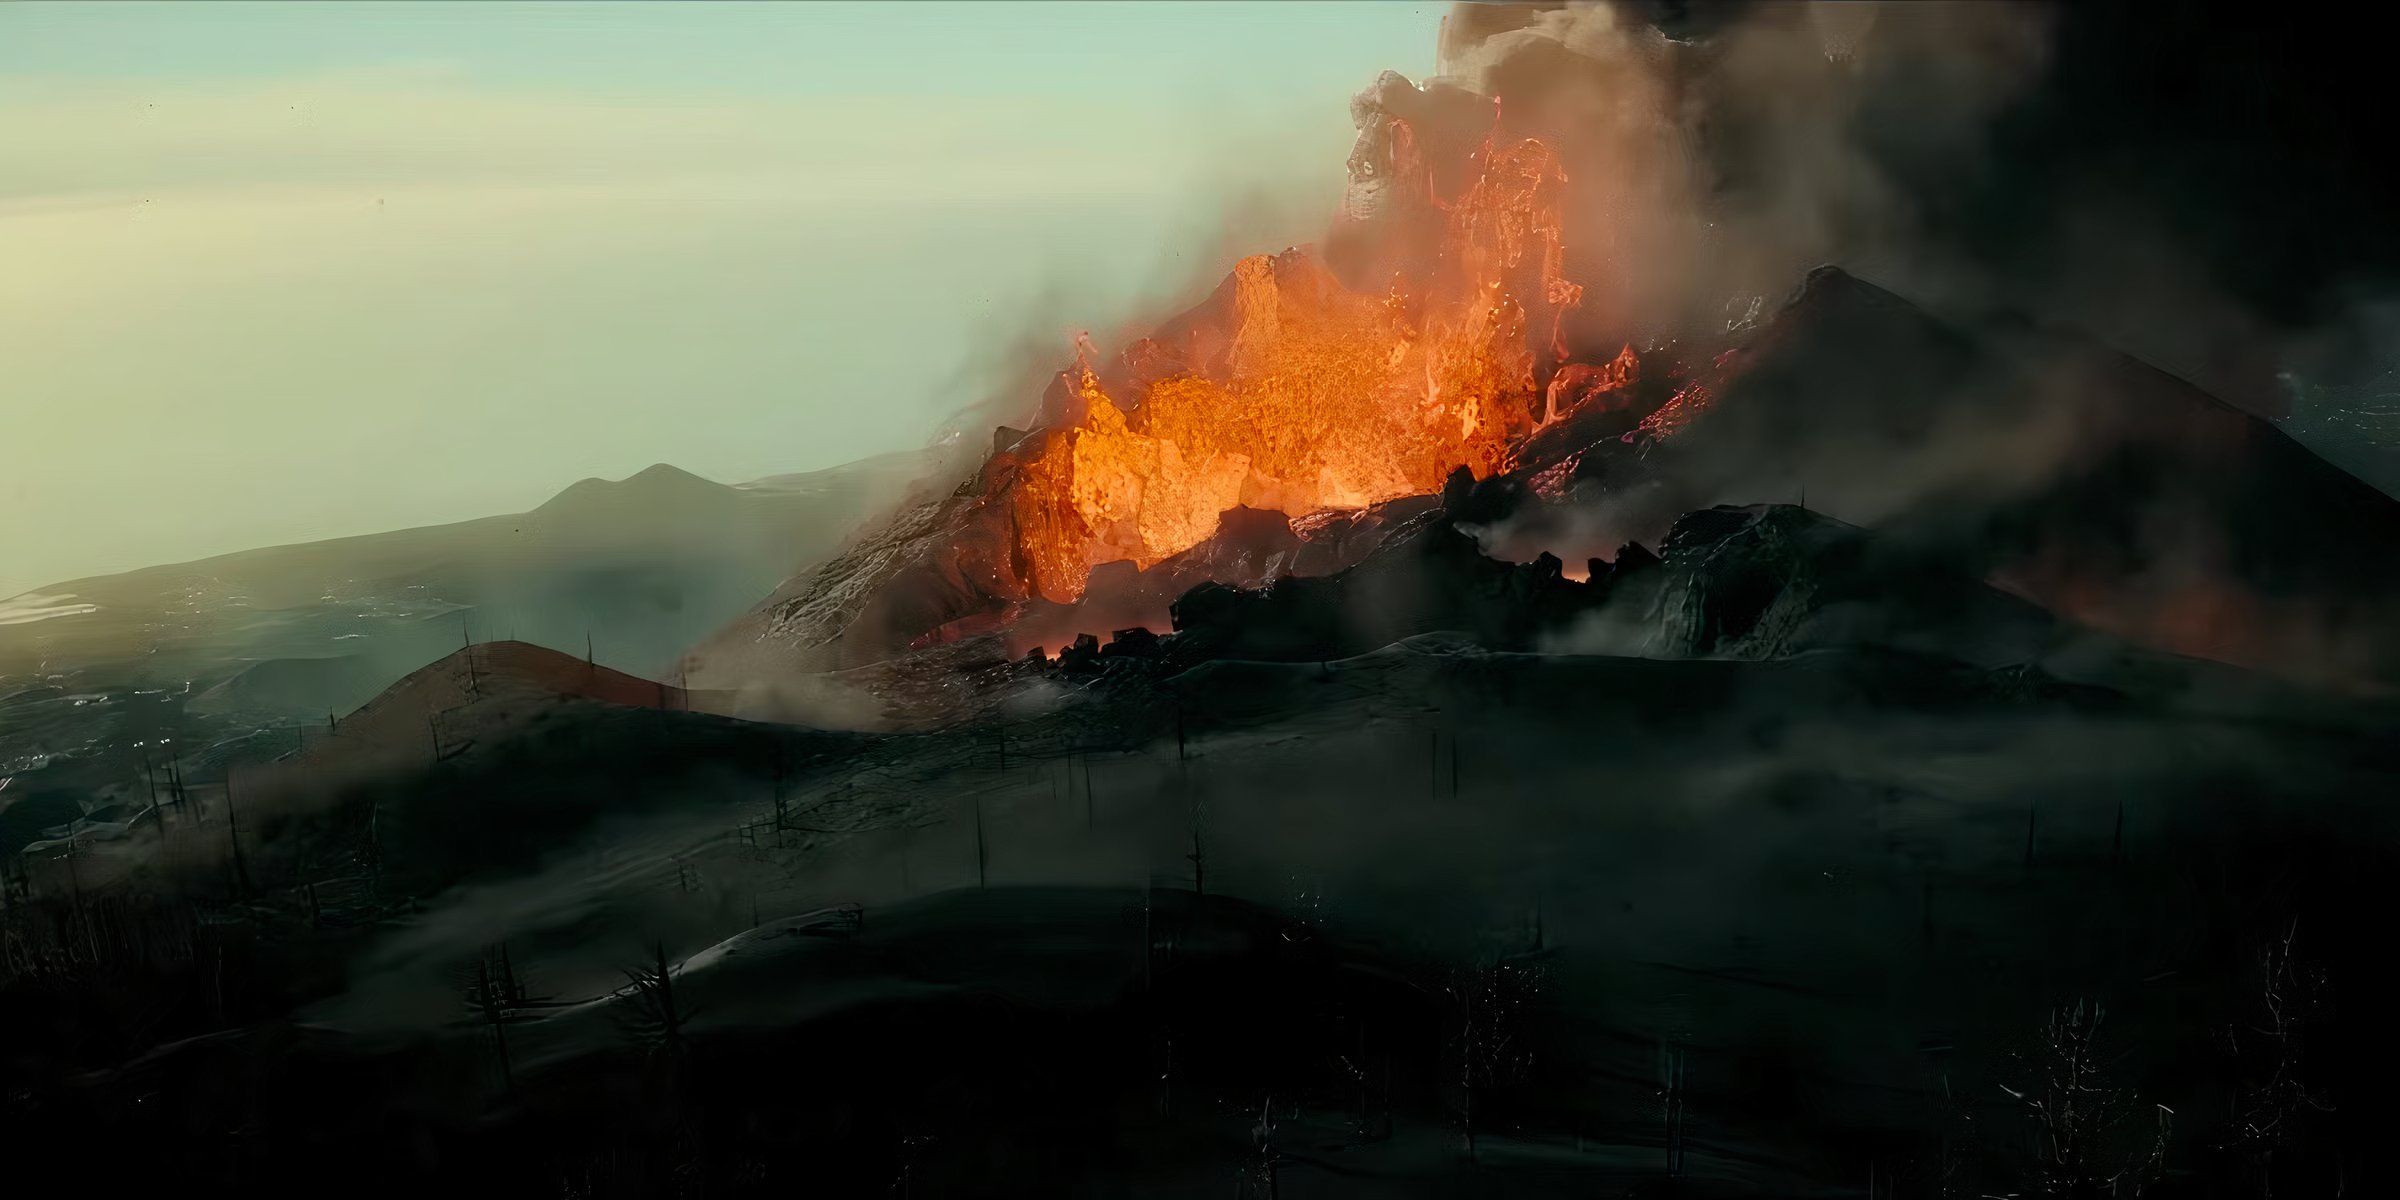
(2197,186)
(1708,169)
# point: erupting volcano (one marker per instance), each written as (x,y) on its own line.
(1666,652)
(1525,323)
(1290,391)
(1445,334)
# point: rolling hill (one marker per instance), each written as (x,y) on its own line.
(640,566)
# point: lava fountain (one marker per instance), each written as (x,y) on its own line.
(1290,391)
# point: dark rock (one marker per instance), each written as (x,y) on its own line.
(1331,541)
(1208,604)
(1483,501)
(1082,655)
(1137,642)
(1632,559)
(1765,581)
(1455,491)
(1426,576)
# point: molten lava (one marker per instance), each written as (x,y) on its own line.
(1294,393)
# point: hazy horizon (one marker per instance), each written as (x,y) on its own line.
(290,271)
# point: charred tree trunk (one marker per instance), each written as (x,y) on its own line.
(981,857)
(233,837)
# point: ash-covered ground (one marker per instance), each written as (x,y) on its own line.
(1794,902)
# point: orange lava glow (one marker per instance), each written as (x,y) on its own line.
(1689,401)
(1298,394)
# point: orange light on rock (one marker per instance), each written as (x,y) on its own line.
(1316,396)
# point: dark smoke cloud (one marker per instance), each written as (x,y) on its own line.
(1712,163)
(2204,186)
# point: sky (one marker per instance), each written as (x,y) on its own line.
(286,271)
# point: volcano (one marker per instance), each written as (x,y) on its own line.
(1453,348)
(2031,458)
(1546,691)
(1272,429)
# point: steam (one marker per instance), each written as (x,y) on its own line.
(1716,168)
(1970,156)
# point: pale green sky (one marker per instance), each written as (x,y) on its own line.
(285,271)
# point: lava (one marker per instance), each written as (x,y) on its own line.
(1294,393)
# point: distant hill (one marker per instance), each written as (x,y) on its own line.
(642,566)
(523,746)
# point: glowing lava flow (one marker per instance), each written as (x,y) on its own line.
(1303,395)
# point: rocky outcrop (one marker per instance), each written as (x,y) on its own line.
(1768,581)
(2087,481)
(1427,576)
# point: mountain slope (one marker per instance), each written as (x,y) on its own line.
(2090,482)
(641,566)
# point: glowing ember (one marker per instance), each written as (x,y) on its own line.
(1688,402)
(1307,395)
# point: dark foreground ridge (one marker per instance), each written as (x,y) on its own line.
(1772,861)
